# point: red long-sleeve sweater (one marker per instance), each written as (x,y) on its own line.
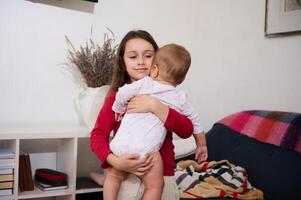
(105,123)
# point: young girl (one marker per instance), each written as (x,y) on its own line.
(134,59)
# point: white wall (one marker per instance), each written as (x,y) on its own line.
(234,66)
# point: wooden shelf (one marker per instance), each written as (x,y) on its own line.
(60,147)
(37,193)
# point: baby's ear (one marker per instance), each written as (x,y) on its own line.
(154,72)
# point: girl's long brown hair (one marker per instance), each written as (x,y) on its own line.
(120,75)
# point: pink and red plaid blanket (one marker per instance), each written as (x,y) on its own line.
(279,128)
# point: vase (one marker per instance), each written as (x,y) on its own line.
(88,103)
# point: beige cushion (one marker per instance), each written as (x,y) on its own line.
(184,147)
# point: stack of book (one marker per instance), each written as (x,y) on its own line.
(7,164)
(48,187)
(49,179)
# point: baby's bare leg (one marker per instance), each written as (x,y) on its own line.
(153,180)
(112,184)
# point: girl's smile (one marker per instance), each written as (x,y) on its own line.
(142,70)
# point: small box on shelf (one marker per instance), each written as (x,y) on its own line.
(25,174)
(48,179)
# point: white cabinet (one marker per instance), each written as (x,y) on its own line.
(63,148)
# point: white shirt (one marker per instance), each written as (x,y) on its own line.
(144,133)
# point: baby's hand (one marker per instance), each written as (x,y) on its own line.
(118,116)
(201,153)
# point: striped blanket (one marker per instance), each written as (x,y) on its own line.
(214,179)
(279,128)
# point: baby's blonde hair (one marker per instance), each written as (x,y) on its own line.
(173,61)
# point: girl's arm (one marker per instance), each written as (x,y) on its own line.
(125,93)
(173,121)
(99,142)
(99,139)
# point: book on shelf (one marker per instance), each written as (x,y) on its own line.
(6,177)
(7,163)
(46,187)
(6,153)
(6,185)
(4,192)
(7,171)
(25,174)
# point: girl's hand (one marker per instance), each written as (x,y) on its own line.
(131,163)
(145,103)
(141,104)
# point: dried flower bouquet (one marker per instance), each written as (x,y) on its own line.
(94,62)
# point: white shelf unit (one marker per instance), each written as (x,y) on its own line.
(63,148)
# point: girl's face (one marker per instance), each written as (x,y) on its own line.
(138,58)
